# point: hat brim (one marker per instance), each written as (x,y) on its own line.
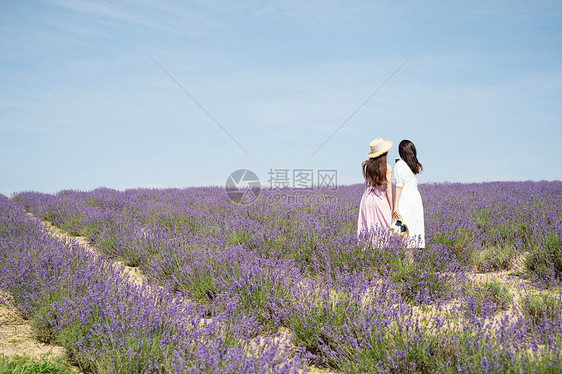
(387,145)
(404,234)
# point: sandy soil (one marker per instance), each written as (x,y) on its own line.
(133,273)
(16,336)
(136,276)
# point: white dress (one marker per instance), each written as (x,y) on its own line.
(410,205)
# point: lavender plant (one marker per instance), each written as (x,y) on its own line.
(109,324)
(352,305)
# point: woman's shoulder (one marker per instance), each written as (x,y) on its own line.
(402,168)
(400,164)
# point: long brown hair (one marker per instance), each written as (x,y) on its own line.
(407,151)
(375,171)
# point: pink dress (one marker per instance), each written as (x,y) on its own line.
(374,210)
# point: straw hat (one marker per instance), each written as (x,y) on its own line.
(378,147)
(398,227)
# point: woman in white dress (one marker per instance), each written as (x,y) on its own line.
(408,202)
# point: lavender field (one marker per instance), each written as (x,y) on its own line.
(279,286)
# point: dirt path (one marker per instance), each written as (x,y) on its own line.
(16,336)
(134,274)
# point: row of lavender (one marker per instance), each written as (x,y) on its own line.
(108,324)
(353,308)
(466,224)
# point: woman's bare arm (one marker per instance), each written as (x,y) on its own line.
(389,189)
(395,213)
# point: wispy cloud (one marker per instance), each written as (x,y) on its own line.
(104,11)
(172,19)
(280,76)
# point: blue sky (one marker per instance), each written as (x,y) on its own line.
(83,104)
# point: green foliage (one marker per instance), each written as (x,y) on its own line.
(255,296)
(108,245)
(423,353)
(93,202)
(91,230)
(546,260)
(407,351)
(26,365)
(177,223)
(495,258)
(310,326)
(241,237)
(461,242)
(542,307)
(48,215)
(493,291)
(413,274)
(199,286)
(357,259)
(481,218)
(132,258)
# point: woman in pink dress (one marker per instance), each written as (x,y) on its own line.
(375,210)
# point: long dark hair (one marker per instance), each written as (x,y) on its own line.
(407,151)
(375,171)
